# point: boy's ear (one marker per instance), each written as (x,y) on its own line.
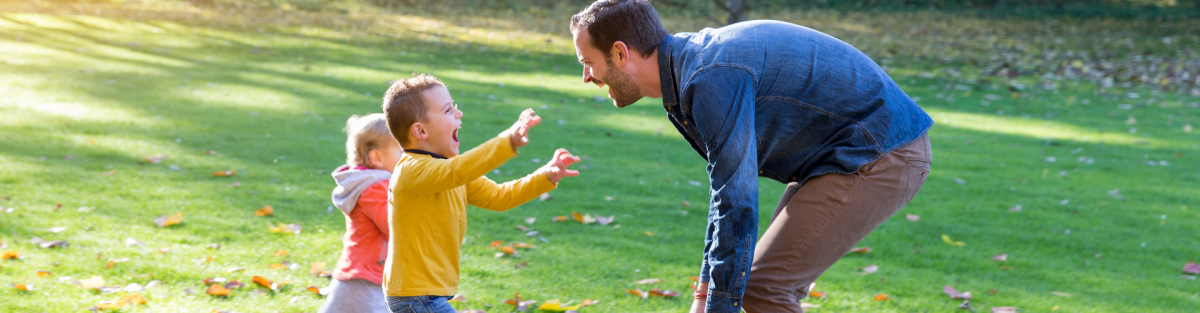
(417,131)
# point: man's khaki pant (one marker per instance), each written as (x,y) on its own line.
(819,222)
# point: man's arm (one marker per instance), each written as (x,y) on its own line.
(723,108)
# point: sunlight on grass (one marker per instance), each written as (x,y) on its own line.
(1041,129)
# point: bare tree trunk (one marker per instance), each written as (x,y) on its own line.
(736,9)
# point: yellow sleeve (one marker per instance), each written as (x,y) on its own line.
(486,194)
(437,175)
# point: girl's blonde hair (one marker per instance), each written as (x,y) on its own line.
(364,133)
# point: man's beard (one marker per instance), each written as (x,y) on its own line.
(621,85)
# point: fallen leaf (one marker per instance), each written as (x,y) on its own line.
(522,265)
(603,221)
(663,293)
(155,159)
(648,281)
(954,294)
(293,228)
(57,229)
(947,240)
(1061,294)
(92,283)
(544,197)
(10,255)
(686,203)
(880,297)
(555,305)
(267,283)
(496,244)
(638,292)
(266,210)
(165,220)
(649,233)
(870,269)
(217,290)
(530,220)
(966,305)
(861,250)
(1189,268)
(109,173)
(1001,257)
(23,287)
(43,273)
(586,219)
(912,217)
(522,245)
(316,268)
(507,250)
(1004,309)
(817,294)
(129,242)
(280,253)
(225,173)
(560,218)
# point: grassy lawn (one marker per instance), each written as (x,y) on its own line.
(1105,176)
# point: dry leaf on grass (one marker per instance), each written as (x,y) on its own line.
(556,306)
(11,255)
(817,294)
(664,293)
(947,240)
(225,173)
(92,283)
(560,218)
(881,297)
(530,220)
(638,292)
(293,228)
(266,210)
(604,221)
(317,269)
(43,273)
(1004,309)
(1191,268)
(520,305)
(586,219)
(648,281)
(912,217)
(954,294)
(261,281)
(168,220)
(870,269)
(23,287)
(217,290)
(280,253)
(861,250)
(1001,257)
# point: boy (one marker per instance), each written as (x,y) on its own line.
(432,185)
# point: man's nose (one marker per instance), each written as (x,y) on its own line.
(587,74)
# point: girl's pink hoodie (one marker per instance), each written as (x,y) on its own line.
(362,194)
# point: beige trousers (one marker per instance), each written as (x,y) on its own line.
(819,222)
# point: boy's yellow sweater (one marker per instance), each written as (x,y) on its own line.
(427,214)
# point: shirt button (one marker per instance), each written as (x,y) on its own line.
(684,122)
(735,304)
(743,274)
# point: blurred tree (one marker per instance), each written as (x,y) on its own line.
(735,8)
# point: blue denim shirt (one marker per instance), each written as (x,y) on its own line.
(777,100)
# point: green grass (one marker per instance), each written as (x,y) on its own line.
(269,92)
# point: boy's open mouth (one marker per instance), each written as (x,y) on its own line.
(454,135)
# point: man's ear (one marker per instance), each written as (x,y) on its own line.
(374,159)
(620,54)
(417,131)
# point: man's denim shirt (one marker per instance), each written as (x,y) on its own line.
(777,100)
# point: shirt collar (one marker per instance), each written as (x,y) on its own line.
(666,71)
(415,151)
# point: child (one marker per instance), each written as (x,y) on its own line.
(432,185)
(361,194)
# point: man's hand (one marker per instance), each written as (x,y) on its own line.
(556,169)
(518,134)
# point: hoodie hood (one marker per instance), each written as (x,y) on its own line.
(351,182)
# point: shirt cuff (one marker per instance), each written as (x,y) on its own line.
(720,302)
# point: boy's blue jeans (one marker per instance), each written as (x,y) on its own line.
(420,304)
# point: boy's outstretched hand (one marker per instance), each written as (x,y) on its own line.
(557,168)
(518,134)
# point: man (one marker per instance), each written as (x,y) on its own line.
(776,100)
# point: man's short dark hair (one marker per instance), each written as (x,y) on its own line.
(633,22)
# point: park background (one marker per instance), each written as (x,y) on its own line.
(1064,176)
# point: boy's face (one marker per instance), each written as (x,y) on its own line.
(442,121)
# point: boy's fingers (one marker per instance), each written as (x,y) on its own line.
(534,120)
(570,173)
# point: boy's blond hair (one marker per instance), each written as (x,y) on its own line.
(364,133)
(404,105)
